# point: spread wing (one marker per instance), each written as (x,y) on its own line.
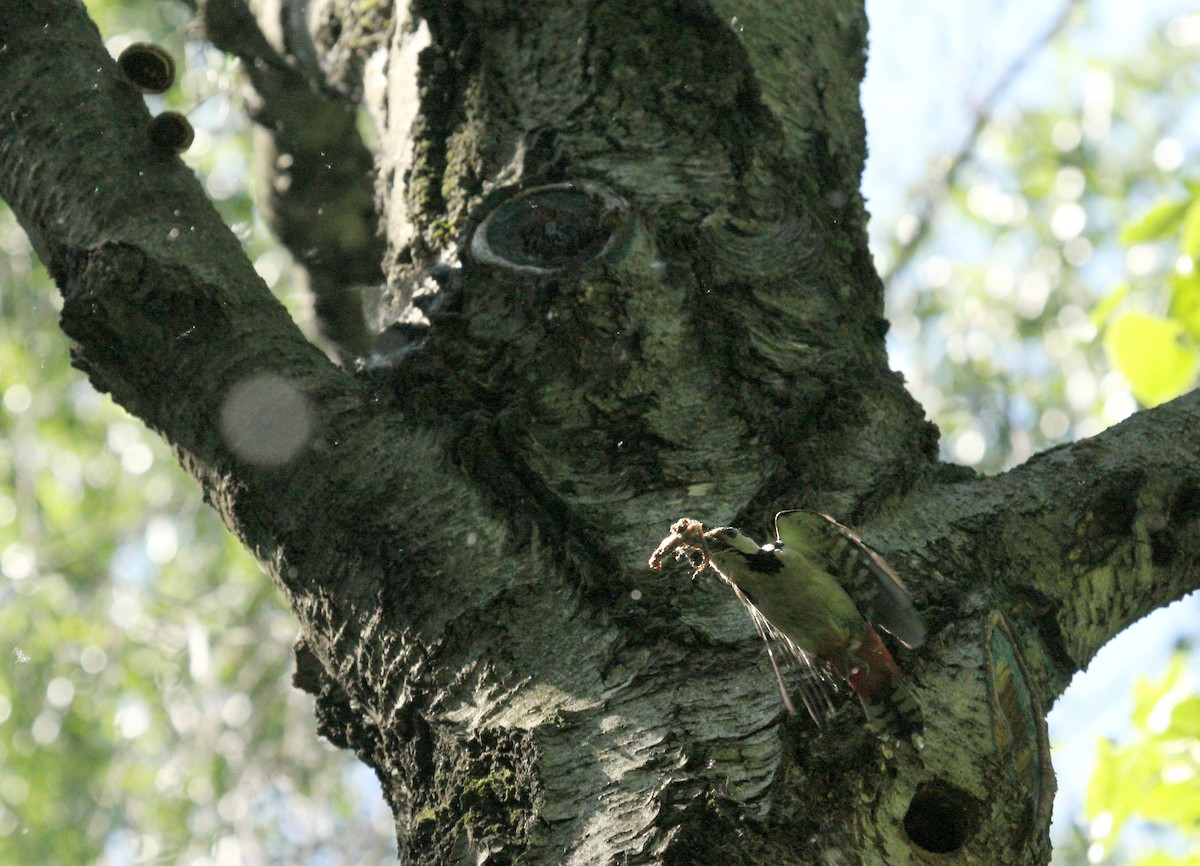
(815,686)
(879,594)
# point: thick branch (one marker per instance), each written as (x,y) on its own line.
(1078,542)
(316,176)
(325,482)
(141,256)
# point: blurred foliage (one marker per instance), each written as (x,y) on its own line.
(1060,293)
(1154,777)
(1159,353)
(146,708)
(1059,281)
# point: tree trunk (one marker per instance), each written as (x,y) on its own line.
(626,280)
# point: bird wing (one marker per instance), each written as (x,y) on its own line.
(815,686)
(879,594)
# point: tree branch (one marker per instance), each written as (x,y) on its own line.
(1078,542)
(316,176)
(934,190)
(324,479)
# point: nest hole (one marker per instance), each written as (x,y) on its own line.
(941,817)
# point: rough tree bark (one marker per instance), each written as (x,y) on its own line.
(626,279)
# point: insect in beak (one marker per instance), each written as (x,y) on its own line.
(686,541)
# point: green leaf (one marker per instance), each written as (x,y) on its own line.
(1147,693)
(1103,310)
(1185,719)
(1162,858)
(1173,804)
(1185,301)
(1189,244)
(1153,777)
(1159,222)
(1153,354)
(1118,784)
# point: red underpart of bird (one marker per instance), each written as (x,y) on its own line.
(872,668)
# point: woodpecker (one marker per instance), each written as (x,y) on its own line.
(819,592)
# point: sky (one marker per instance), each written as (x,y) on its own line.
(930,65)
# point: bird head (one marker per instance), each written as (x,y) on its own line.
(729,545)
(737,555)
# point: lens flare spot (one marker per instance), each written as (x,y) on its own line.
(266,420)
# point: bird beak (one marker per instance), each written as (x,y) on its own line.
(729,538)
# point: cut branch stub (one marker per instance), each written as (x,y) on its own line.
(149,68)
(553,228)
(171,131)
